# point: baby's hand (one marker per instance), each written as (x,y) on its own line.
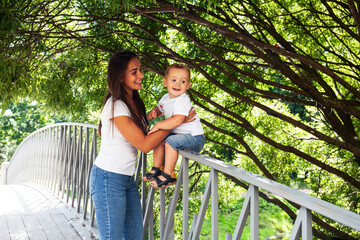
(151,115)
(154,129)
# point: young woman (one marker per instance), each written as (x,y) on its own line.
(123,128)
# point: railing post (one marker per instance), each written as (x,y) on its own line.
(228,236)
(37,157)
(62,139)
(306,226)
(302,225)
(51,167)
(65,159)
(72,144)
(79,170)
(149,210)
(214,205)
(75,164)
(251,202)
(185,170)
(49,160)
(172,206)
(85,171)
(254,213)
(204,203)
(93,155)
(3,174)
(151,227)
(162,213)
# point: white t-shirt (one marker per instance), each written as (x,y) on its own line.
(180,105)
(116,153)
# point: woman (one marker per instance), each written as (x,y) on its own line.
(123,128)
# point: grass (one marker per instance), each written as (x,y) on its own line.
(272,222)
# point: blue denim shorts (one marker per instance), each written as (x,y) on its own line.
(186,142)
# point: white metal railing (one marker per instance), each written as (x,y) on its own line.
(303,223)
(60,157)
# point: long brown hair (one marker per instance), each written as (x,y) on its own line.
(116,70)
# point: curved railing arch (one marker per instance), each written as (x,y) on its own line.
(60,158)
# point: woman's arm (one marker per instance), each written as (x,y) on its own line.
(168,124)
(174,121)
(134,135)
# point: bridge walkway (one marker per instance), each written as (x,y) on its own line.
(30,211)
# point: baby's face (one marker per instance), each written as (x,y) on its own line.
(177,82)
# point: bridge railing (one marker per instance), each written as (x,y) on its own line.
(302,226)
(60,158)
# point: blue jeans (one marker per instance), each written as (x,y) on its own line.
(117,205)
(186,142)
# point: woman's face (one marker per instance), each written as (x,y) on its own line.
(133,76)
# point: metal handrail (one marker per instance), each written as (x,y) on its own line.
(60,157)
(303,223)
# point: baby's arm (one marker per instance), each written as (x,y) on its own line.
(154,113)
(169,124)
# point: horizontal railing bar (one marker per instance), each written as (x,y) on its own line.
(324,208)
(49,127)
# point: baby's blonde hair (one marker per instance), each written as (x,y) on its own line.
(178,66)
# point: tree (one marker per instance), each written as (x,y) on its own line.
(277,81)
(17,122)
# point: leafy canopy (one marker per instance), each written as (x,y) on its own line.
(275,82)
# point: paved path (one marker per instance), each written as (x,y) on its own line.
(28,211)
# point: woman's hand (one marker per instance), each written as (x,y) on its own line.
(191,117)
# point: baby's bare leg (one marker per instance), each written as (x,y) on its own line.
(171,156)
(158,155)
(158,161)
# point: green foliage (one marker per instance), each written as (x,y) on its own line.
(274,81)
(273,222)
(294,108)
(72,83)
(17,122)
